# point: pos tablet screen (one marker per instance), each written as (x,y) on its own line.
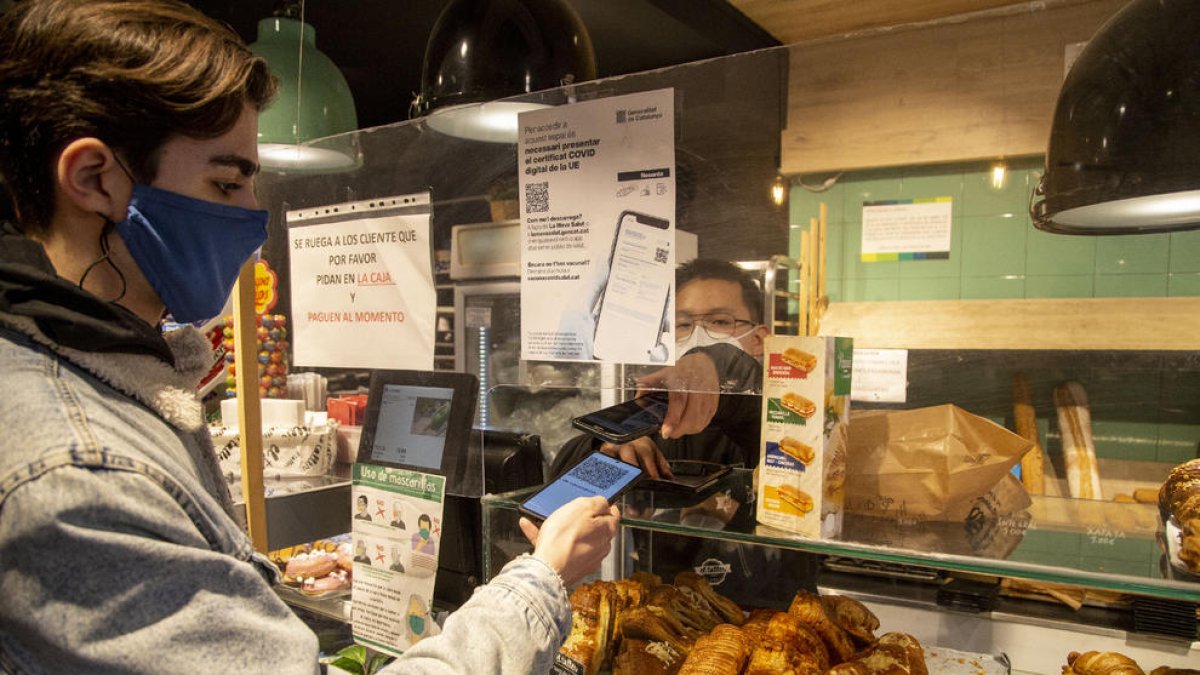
(418,420)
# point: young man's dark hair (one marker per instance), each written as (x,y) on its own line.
(721,270)
(76,68)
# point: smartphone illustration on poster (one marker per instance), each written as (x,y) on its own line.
(638,290)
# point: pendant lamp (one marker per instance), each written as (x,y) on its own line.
(1124,152)
(313,102)
(483,50)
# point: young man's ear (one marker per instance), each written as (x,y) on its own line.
(754,341)
(89,180)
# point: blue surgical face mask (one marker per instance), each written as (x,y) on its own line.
(190,250)
(424,532)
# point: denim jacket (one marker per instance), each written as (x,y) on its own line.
(118,552)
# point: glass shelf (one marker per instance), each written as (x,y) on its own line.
(1097,544)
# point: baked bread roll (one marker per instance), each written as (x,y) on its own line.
(795,497)
(1100,663)
(799,359)
(796,449)
(807,608)
(853,617)
(798,404)
(728,610)
(724,651)
(1179,496)
(1079,452)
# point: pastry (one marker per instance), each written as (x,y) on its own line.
(795,497)
(1100,663)
(588,643)
(912,649)
(685,606)
(851,616)
(807,608)
(797,450)
(658,624)
(1179,497)
(728,610)
(1167,670)
(723,651)
(645,657)
(799,359)
(798,404)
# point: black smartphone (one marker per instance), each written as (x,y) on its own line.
(626,421)
(595,474)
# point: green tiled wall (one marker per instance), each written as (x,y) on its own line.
(997,253)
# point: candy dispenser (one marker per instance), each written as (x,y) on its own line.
(272,345)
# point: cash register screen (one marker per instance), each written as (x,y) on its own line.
(412,426)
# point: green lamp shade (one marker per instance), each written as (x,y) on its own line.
(313,102)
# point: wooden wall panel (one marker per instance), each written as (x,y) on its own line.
(948,92)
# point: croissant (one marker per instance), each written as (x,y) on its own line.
(1167,670)
(723,651)
(771,656)
(728,610)
(851,616)
(1100,663)
(807,608)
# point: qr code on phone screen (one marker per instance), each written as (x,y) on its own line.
(597,473)
(537,197)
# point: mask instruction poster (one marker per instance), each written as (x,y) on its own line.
(362,284)
(396,529)
(597,187)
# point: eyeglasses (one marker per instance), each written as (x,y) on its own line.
(718,325)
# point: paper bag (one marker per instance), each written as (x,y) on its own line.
(938,463)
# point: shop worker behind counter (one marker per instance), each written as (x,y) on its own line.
(719,335)
(128,142)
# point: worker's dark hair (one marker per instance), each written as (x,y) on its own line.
(709,268)
(132,73)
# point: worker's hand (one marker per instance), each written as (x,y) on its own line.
(642,452)
(693,393)
(575,538)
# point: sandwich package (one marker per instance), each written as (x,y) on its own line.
(806,408)
(936,463)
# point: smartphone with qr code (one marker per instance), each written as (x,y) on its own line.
(637,294)
(595,474)
(618,424)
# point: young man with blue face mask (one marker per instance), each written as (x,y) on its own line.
(128,146)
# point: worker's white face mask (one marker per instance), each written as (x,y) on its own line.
(701,338)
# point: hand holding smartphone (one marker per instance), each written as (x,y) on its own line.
(595,474)
(624,422)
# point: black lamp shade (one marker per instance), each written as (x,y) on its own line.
(483,50)
(1124,152)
